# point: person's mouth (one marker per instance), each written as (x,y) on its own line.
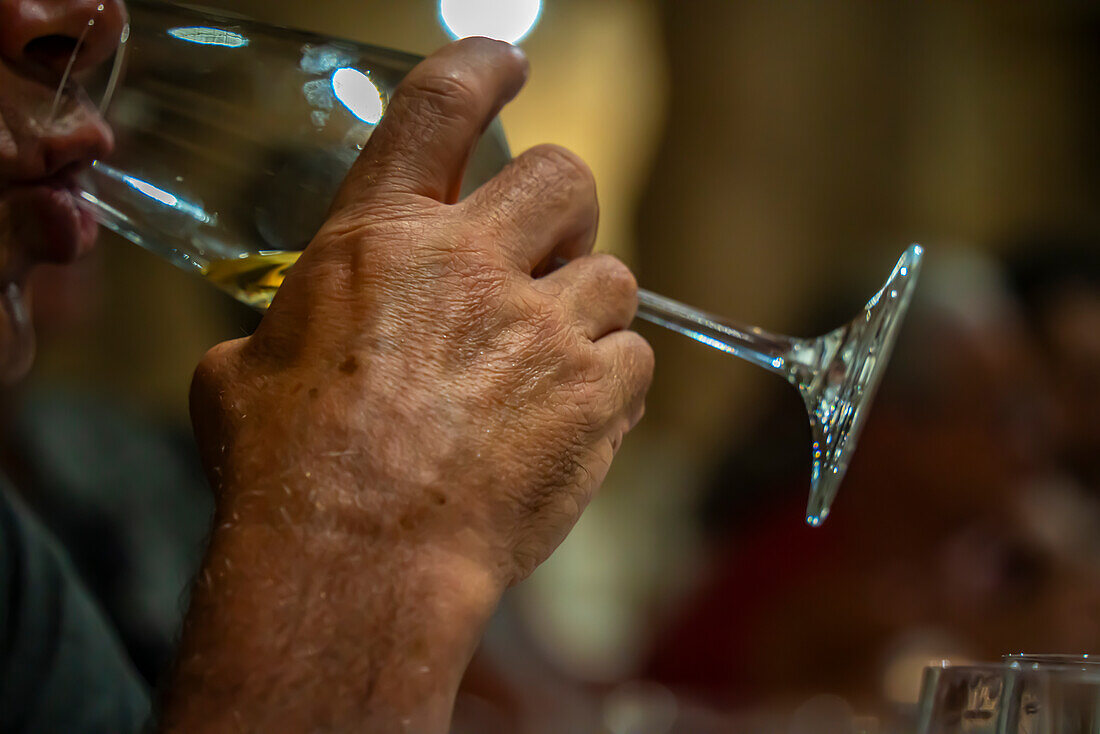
(48,225)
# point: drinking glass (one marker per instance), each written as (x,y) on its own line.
(1009,699)
(233,136)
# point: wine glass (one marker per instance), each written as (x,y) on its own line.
(233,136)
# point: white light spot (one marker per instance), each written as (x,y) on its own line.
(151,191)
(357,92)
(209,36)
(158,194)
(504,20)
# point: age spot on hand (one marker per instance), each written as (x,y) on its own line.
(349,365)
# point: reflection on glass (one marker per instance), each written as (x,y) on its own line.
(155,193)
(356,91)
(209,36)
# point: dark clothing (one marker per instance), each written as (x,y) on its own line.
(126,498)
(62,668)
(95,553)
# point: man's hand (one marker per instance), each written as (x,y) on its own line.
(418,422)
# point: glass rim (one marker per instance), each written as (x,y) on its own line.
(1089,673)
(248,24)
(117,65)
(109,82)
(1083,658)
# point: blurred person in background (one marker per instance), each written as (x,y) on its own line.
(1057,279)
(937,552)
(418,421)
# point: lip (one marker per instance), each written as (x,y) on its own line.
(49,226)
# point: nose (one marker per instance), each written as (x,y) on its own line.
(43,34)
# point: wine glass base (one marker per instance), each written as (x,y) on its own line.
(839,395)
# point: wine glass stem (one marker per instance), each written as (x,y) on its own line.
(773,352)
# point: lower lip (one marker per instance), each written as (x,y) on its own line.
(61,230)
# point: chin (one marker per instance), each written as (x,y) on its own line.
(38,224)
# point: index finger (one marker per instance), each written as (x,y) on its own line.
(435,119)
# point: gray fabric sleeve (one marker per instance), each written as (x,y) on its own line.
(62,668)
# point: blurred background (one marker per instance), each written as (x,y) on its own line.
(765,161)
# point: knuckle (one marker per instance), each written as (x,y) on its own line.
(615,278)
(214,377)
(212,368)
(564,166)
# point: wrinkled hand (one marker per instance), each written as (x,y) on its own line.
(419,380)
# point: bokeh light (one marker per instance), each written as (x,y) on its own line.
(504,20)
